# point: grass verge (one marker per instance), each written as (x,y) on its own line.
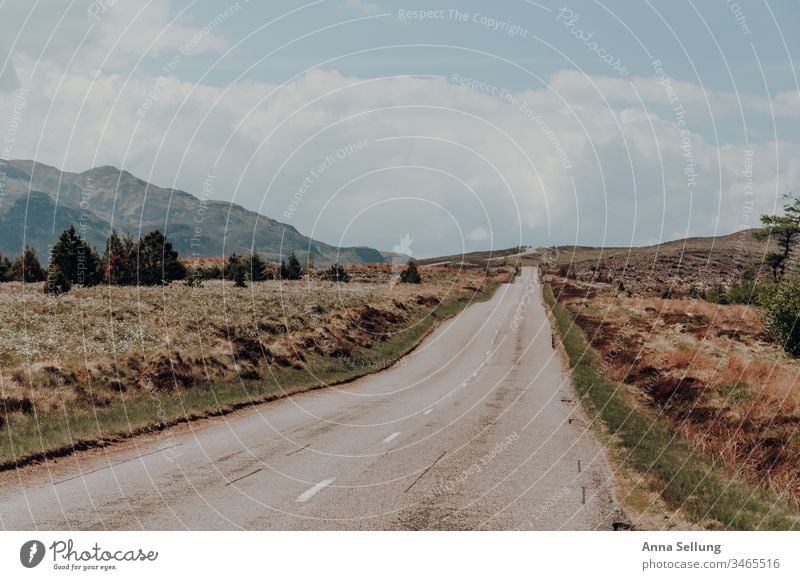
(33,438)
(685,478)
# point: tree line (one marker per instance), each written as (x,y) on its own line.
(253,268)
(149,261)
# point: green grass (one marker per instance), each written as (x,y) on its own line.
(684,477)
(30,438)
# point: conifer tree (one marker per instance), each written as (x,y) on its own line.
(27,268)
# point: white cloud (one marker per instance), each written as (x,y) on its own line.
(450,166)
(85,36)
(696,99)
(130,30)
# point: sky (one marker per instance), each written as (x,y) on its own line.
(459,126)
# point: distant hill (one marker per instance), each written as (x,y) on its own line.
(678,265)
(481,258)
(39,201)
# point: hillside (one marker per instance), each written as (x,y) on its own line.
(481,259)
(38,201)
(702,263)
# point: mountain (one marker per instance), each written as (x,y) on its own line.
(38,202)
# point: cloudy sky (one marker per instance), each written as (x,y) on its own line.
(363,121)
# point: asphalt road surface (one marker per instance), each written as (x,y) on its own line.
(479,428)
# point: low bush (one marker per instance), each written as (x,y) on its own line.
(781,302)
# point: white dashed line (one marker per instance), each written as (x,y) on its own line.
(428,412)
(308,494)
(391,437)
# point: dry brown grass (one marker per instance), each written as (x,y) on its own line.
(680,359)
(96,346)
(710,369)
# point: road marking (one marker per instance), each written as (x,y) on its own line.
(428,412)
(111,465)
(391,437)
(427,469)
(298,450)
(242,477)
(308,494)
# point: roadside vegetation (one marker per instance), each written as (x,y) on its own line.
(698,445)
(104,362)
(696,381)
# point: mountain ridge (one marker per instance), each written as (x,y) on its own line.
(37,201)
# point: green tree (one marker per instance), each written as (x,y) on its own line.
(236,269)
(27,268)
(240,278)
(65,253)
(781,302)
(76,260)
(742,293)
(119,260)
(337,273)
(745,290)
(717,295)
(157,260)
(411,274)
(291,268)
(56,282)
(6,270)
(776,262)
(259,269)
(784,229)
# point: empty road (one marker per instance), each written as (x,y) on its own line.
(477,429)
